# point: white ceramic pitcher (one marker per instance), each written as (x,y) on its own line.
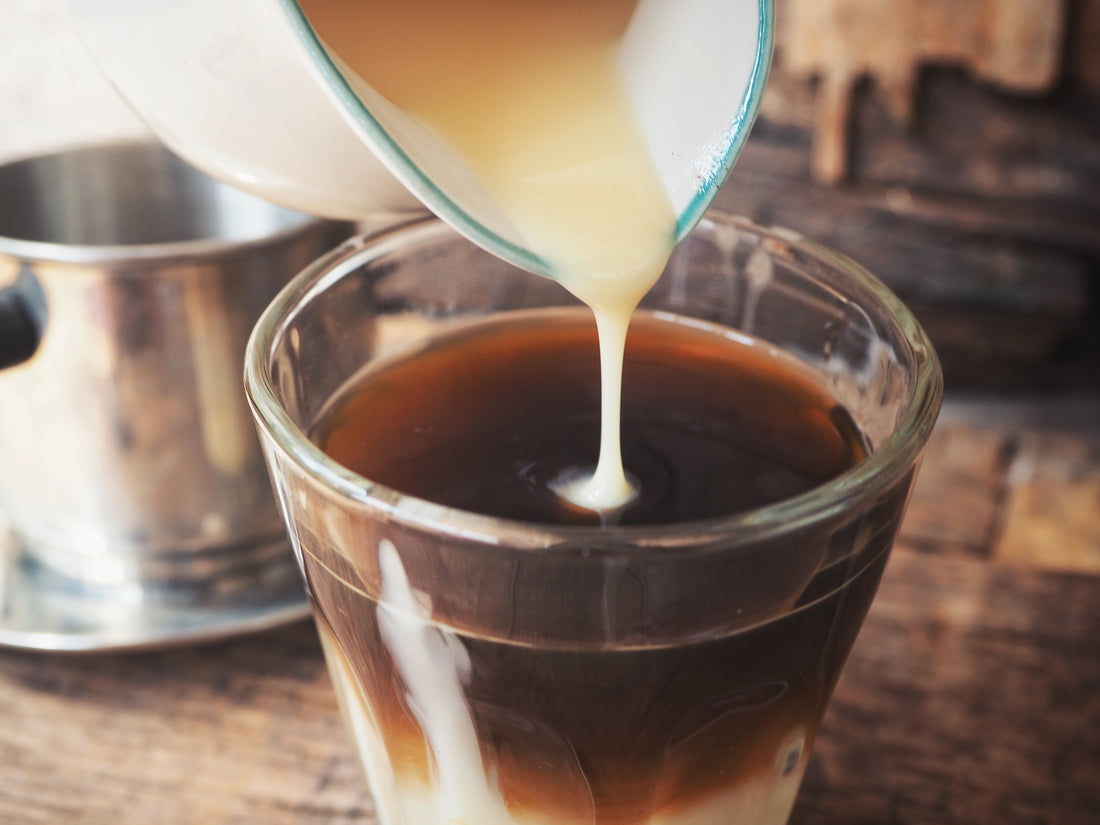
(246,91)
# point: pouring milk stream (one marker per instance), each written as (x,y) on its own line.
(578,140)
(522,113)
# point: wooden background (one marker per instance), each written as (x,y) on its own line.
(971,187)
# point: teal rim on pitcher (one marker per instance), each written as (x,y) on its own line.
(406,170)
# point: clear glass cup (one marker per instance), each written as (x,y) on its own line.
(494,671)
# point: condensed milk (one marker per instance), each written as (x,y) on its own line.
(529,95)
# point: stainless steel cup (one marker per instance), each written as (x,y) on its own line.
(131,282)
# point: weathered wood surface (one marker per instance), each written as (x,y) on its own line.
(971,187)
(985,220)
(1014,44)
(972,696)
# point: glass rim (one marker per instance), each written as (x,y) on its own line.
(882,467)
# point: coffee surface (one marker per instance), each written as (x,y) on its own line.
(488,418)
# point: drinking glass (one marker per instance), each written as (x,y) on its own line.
(495,671)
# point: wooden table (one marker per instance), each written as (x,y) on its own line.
(972,696)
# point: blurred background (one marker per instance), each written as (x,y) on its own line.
(952,148)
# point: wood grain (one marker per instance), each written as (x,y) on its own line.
(958,500)
(973,695)
(1053,503)
(245,731)
(1015,44)
(982,218)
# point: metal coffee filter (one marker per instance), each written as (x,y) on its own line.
(139,510)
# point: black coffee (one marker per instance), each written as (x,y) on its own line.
(596,696)
(486,419)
